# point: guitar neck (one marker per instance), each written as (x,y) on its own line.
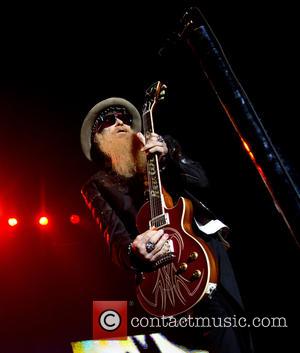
(153,176)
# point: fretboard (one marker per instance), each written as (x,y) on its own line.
(153,175)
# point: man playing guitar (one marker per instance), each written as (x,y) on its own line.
(187,262)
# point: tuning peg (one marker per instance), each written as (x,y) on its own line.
(162,94)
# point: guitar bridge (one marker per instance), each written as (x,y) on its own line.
(166,259)
(160,221)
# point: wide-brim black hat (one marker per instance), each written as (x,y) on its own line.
(87,125)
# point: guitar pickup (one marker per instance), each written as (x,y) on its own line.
(160,221)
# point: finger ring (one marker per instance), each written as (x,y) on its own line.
(160,139)
(150,246)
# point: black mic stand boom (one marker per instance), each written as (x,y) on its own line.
(200,38)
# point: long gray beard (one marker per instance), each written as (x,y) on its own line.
(125,153)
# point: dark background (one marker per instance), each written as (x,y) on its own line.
(56,63)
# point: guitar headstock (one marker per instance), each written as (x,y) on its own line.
(156,92)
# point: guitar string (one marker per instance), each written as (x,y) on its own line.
(146,129)
(155,202)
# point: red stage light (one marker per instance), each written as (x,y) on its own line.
(74,219)
(43,221)
(12,222)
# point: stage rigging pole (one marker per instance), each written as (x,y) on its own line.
(199,37)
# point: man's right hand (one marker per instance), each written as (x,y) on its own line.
(156,237)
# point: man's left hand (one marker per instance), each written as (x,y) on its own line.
(155,144)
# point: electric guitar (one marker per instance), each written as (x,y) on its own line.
(188,272)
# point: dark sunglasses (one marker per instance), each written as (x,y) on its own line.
(111,118)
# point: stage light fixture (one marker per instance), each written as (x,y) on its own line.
(43,221)
(12,222)
(74,219)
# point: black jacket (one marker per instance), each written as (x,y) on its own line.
(114,202)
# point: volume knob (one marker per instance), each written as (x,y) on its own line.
(196,274)
(193,256)
(183,267)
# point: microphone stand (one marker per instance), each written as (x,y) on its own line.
(200,38)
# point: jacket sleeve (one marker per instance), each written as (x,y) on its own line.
(189,174)
(111,226)
(187,178)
